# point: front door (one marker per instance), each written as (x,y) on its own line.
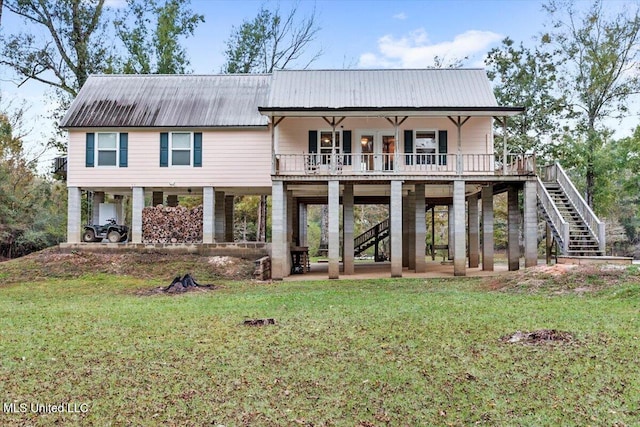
(377,149)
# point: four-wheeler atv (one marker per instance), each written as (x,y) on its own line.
(113,232)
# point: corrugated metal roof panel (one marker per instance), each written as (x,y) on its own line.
(424,88)
(169,101)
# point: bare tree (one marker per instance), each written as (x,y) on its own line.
(271,41)
(268,42)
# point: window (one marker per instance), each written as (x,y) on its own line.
(180,149)
(426,147)
(107,150)
(325,145)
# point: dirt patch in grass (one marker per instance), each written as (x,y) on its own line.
(561,279)
(541,336)
(52,263)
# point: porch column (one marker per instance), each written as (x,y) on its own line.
(74,214)
(219,216)
(474,230)
(530,224)
(290,216)
(451,235)
(348,228)
(228,218)
(96,199)
(487,228)
(208,214)
(420,230)
(295,222)
(405,231)
(410,225)
(395,232)
(136,214)
(513,246)
(459,238)
(302,224)
(279,247)
(334,229)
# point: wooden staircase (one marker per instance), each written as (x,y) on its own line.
(373,236)
(574,226)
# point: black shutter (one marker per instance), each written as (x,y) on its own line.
(90,150)
(408,146)
(313,141)
(442,147)
(346,148)
(197,149)
(164,149)
(124,149)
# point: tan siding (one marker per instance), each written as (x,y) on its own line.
(230,158)
(293,137)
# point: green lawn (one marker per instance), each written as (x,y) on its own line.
(360,353)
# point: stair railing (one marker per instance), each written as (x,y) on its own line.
(596,226)
(558,222)
(371,233)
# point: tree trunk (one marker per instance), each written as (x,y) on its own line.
(262,220)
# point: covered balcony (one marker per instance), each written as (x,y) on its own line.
(385,164)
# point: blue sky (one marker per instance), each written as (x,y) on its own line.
(354,34)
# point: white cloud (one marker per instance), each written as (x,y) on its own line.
(400,16)
(415,50)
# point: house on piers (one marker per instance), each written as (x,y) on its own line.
(409,139)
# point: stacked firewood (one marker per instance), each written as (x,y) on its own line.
(166,224)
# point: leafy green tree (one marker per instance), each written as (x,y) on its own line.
(152,37)
(75,44)
(527,78)
(31,208)
(598,54)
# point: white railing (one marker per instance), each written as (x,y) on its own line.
(560,225)
(408,164)
(596,226)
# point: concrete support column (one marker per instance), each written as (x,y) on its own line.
(219,217)
(451,236)
(513,246)
(348,229)
(290,216)
(208,214)
(474,232)
(279,247)
(98,197)
(459,237)
(74,214)
(302,224)
(228,218)
(334,229)
(136,214)
(420,234)
(410,225)
(395,223)
(530,224)
(487,228)
(405,231)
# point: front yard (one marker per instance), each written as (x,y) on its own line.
(348,353)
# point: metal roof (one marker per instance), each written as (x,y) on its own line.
(169,101)
(365,90)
